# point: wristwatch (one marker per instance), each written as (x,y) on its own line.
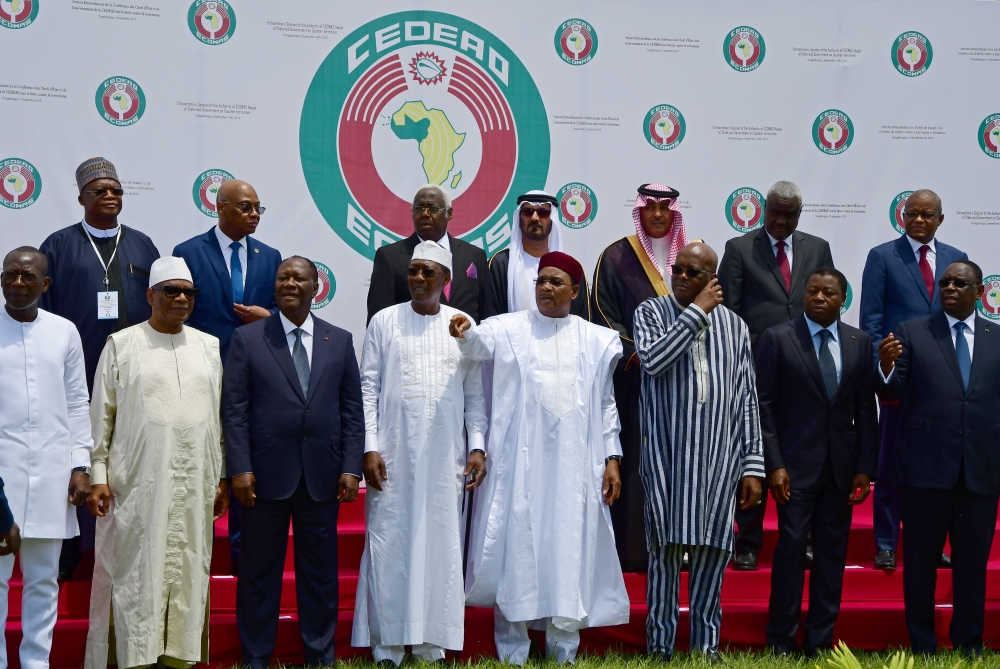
(612,457)
(478,450)
(85,470)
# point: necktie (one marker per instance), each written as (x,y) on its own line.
(827,365)
(236,272)
(786,269)
(301,362)
(925,269)
(447,290)
(962,353)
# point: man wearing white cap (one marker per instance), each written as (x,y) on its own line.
(156,475)
(419,393)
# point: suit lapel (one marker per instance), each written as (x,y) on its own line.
(981,348)
(321,349)
(850,356)
(762,246)
(806,349)
(218,262)
(274,335)
(253,261)
(938,325)
(905,253)
(800,249)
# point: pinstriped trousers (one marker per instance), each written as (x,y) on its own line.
(708,565)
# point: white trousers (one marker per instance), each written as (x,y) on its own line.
(39,599)
(427,652)
(513,643)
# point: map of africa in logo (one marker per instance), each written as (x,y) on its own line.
(20,183)
(744,49)
(212,21)
(989,135)
(833,132)
(205,188)
(896,211)
(15,14)
(415,98)
(989,304)
(577,205)
(847,299)
(120,101)
(664,127)
(576,42)
(327,287)
(745,209)
(912,54)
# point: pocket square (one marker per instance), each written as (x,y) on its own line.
(472,273)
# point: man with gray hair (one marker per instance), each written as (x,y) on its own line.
(763,276)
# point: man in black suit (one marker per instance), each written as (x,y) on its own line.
(816,387)
(946,370)
(763,277)
(470,288)
(294,427)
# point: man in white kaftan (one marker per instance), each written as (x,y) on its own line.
(419,392)
(544,548)
(157,465)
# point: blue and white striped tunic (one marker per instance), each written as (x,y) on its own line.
(700,424)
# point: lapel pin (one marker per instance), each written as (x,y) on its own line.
(326,339)
(256,250)
(853,337)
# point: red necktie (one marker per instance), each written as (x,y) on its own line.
(786,270)
(925,269)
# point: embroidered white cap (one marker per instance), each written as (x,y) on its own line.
(169,268)
(433,251)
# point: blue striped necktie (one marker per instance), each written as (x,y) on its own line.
(962,353)
(301,361)
(826,364)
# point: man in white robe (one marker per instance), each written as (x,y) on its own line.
(45,445)
(544,548)
(157,471)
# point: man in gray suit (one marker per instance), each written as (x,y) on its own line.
(763,276)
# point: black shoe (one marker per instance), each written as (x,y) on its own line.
(660,656)
(686,562)
(745,562)
(809,555)
(885,560)
(812,653)
(783,651)
(714,657)
(945,562)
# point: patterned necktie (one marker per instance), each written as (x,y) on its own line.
(301,361)
(827,365)
(786,269)
(236,271)
(962,353)
(925,269)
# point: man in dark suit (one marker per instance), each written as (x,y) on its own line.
(816,387)
(763,278)
(945,368)
(899,284)
(294,428)
(469,289)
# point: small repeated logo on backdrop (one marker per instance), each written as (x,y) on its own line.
(205,188)
(744,49)
(833,132)
(989,135)
(120,101)
(896,211)
(20,183)
(212,21)
(16,14)
(664,127)
(576,42)
(745,209)
(989,304)
(848,299)
(912,54)
(577,205)
(327,287)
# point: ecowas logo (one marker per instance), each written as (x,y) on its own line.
(212,22)
(205,188)
(120,101)
(912,54)
(847,299)
(989,135)
(744,49)
(415,98)
(989,303)
(664,127)
(833,132)
(745,209)
(896,211)
(20,183)
(327,287)
(577,205)
(576,42)
(16,14)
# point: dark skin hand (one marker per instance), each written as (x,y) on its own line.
(612,487)
(780,485)
(79,488)
(922,215)
(656,218)
(750,491)
(233,197)
(430,225)
(101,212)
(375,473)
(99,501)
(781,216)
(11,541)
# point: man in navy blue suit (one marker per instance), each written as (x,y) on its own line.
(945,369)
(235,274)
(900,283)
(294,426)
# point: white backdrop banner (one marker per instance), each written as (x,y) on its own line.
(337,112)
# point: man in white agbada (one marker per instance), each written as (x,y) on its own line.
(544,549)
(157,471)
(419,392)
(45,445)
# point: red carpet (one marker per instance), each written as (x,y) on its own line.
(871,616)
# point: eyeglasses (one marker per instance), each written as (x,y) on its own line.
(958,283)
(426,273)
(555,283)
(101,192)
(914,215)
(26,278)
(173,292)
(419,209)
(542,213)
(689,272)
(245,207)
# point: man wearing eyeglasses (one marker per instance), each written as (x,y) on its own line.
(469,289)
(100,271)
(158,474)
(899,284)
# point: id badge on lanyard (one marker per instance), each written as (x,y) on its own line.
(107,300)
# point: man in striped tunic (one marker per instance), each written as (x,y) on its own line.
(700,442)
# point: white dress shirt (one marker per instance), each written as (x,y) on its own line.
(307,335)
(100,234)
(969,332)
(834,344)
(788,247)
(659,245)
(227,253)
(444,242)
(931,252)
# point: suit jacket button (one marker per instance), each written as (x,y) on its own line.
(307,410)
(303,437)
(960,430)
